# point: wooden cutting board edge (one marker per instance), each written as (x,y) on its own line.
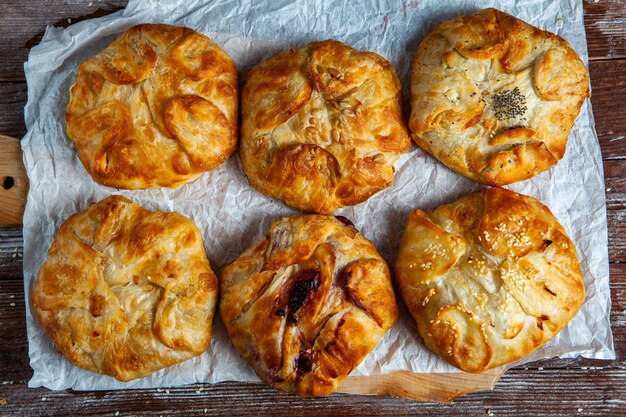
(439,387)
(13,182)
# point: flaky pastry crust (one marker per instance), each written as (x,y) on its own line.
(488,278)
(126,291)
(306,304)
(322,126)
(495,98)
(156,108)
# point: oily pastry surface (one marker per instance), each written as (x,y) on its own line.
(156,108)
(126,291)
(488,278)
(306,304)
(494,98)
(322,126)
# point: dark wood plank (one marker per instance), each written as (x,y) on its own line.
(615,183)
(24,22)
(608,98)
(578,392)
(13,343)
(11,250)
(12,102)
(605,24)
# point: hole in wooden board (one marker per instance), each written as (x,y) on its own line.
(8,183)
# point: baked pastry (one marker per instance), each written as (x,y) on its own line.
(156,108)
(494,98)
(306,304)
(488,278)
(322,126)
(126,291)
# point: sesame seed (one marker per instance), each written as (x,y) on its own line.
(509,104)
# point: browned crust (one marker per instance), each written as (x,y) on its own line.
(156,108)
(514,283)
(495,98)
(322,126)
(306,304)
(126,291)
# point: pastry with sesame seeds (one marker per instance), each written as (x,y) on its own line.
(307,303)
(495,98)
(489,278)
(126,291)
(322,126)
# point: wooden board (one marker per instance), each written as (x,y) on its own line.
(13,182)
(423,387)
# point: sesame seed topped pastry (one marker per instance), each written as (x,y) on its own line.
(489,278)
(156,108)
(322,126)
(306,304)
(126,291)
(495,98)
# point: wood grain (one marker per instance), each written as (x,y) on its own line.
(24,22)
(608,99)
(605,22)
(578,392)
(13,182)
(12,102)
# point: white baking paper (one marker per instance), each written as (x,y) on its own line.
(232,215)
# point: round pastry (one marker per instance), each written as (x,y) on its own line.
(488,278)
(126,291)
(322,126)
(306,304)
(494,98)
(156,108)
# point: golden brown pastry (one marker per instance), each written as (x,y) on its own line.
(488,278)
(306,304)
(126,291)
(322,126)
(156,108)
(494,98)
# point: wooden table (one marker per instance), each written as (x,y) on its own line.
(552,387)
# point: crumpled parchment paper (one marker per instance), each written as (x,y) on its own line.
(232,215)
